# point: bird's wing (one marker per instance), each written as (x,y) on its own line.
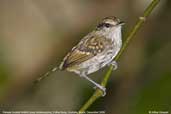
(86,49)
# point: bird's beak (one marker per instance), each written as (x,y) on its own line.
(121,23)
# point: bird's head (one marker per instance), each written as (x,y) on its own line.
(110,23)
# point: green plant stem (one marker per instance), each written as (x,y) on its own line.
(98,93)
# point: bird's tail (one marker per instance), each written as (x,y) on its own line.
(46,75)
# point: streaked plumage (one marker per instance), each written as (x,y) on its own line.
(86,50)
(96,50)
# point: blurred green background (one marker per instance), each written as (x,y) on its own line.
(36,34)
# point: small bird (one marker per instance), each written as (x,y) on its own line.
(96,50)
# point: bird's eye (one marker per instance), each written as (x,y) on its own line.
(107,25)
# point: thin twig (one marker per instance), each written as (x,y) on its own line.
(98,93)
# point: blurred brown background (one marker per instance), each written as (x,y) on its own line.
(36,34)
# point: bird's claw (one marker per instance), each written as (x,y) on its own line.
(114,64)
(103,89)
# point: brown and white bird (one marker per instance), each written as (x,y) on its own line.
(96,50)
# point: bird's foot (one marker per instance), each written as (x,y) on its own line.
(114,64)
(103,89)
